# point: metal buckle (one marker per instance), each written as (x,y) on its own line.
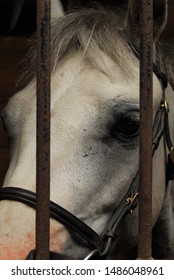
(165,105)
(131,201)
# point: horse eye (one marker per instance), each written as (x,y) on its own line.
(126,130)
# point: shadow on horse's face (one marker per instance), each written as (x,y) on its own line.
(94,152)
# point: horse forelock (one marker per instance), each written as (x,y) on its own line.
(91,33)
(95,34)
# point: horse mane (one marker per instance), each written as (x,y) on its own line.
(92,33)
(166,58)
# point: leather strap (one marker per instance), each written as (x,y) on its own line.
(56,212)
(52,256)
(170,163)
(130,200)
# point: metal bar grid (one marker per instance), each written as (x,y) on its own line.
(43,130)
(146,119)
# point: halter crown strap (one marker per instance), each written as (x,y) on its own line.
(165,122)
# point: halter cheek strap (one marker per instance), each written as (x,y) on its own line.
(165,106)
(170,164)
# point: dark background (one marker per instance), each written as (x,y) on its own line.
(25,25)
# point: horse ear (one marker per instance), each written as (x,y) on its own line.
(56,9)
(132,24)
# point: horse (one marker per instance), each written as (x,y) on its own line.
(94,138)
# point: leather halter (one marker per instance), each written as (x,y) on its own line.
(100,244)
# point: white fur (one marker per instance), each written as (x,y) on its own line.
(56,9)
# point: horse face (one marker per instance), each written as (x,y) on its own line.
(94,133)
(94,154)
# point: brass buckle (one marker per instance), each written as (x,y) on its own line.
(165,105)
(131,201)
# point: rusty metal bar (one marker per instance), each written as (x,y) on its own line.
(43,130)
(146,117)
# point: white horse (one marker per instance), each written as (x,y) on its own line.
(94,137)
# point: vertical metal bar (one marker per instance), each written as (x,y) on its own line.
(43,130)
(146,116)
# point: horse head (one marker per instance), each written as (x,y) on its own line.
(94,135)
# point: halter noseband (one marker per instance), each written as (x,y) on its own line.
(101,244)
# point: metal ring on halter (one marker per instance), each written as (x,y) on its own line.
(132,201)
(92,253)
(172,148)
(165,105)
